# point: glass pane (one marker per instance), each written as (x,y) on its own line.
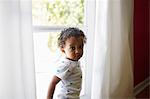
(45,52)
(58,12)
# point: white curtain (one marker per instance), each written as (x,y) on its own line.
(112,76)
(17,80)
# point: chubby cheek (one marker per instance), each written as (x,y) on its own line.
(72,54)
(81,54)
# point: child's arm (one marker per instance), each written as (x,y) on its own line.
(51,88)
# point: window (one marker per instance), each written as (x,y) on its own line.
(49,18)
(58,12)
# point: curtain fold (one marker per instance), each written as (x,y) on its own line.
(112,71)
(17,76)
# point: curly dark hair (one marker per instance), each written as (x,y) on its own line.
(70,32)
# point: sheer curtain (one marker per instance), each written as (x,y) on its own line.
(16,50)
(112,76)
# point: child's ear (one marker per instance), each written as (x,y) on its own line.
(62,49)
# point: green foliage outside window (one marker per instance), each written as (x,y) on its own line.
(57,13)
(52,41)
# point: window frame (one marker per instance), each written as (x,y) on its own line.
(41,28)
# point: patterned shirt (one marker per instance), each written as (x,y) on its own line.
(71,79)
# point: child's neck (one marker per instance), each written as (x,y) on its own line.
(71,59)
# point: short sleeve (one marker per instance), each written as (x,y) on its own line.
(64,70)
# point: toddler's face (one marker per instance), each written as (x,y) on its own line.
(73,48)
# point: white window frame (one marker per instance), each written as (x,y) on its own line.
(88,28)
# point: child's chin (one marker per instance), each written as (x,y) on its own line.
(77,59)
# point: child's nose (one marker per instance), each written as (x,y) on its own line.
(77,51)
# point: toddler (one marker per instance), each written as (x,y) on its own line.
(68,76)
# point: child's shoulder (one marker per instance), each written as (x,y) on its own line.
(64,62)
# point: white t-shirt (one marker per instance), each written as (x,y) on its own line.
(71,79)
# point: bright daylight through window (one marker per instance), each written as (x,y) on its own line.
(49,18)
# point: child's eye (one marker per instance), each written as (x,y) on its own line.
(81,47)
(72,48)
